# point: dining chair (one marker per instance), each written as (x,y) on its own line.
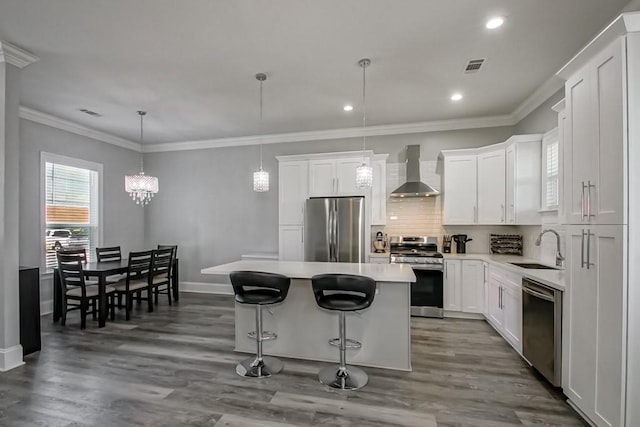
(137,279)
(161,266)
(174,271)
(112,253)
(78,252)
(76,293)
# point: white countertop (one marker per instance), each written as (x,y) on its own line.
(552,278)
(305,270)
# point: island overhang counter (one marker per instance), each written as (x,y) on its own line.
(304,329)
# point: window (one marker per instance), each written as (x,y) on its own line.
(550,170)
(71,205)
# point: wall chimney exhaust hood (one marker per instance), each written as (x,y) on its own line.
(414,187)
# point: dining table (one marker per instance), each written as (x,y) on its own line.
(102,270)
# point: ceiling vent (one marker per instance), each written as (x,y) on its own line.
(473,66)
(89,112)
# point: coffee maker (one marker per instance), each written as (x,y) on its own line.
(461,243)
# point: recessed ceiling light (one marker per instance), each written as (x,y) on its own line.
(456,97)
(348,108)
(494,23)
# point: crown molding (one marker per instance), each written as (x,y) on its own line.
(55,122)
(12,54)
(537,98)
(434,126)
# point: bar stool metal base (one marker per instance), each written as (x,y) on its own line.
(349,378)
(254,368)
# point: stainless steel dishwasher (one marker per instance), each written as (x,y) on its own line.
(542,329)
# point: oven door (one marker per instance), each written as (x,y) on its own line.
(427,292)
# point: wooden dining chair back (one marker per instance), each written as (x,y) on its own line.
(137,279)
(112,253)
(161,267)
(77,252)
(77,295)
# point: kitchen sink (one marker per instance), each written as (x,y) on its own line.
(533,265)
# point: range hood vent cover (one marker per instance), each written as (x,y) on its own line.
(414,187)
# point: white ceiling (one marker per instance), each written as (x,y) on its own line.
(191,64)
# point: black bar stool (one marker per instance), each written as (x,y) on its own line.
(259,288)
(343,293)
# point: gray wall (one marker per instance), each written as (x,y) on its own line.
(542,119)
(122,218)
(207,207)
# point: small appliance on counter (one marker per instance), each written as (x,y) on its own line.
(380,243)
(461,243)
(446,244)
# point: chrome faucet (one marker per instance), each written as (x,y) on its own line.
(559,257)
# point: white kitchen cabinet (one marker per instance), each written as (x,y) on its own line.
(505,305)
(335,177)
(463,286)
(379,190)
(498,184)
(291,243)
(491,187)
(594,144)
(452,285)
(494,310)
(485,283)
(512,308)
(594,307)
(293,190)
(459,189)
(472,286)
(522,183)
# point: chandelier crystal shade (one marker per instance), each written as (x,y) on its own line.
(364,172)
(141,187)
(261,177)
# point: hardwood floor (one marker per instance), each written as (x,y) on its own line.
(175,367)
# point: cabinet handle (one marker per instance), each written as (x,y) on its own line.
(589,234)
(589,185)
(582,250)
(582,203)
(475,214)
(446,271)
(500,299)
(502,214)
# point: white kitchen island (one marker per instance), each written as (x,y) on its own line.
(304,329)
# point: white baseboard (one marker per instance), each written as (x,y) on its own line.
(10,358)
(462,315)
(206,288)
(46,307)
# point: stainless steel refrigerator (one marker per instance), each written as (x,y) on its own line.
(334,229)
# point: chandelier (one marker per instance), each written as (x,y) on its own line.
(141,187)
(261,177)
(364,173)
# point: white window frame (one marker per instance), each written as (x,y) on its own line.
(73,162)
(549,138)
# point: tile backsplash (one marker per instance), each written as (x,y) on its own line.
(422,216)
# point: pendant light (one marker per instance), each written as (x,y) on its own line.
(260,177)
(364,173)
(141,187)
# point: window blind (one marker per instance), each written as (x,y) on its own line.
(552,175)
(71,208)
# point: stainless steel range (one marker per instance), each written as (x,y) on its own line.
(427,294)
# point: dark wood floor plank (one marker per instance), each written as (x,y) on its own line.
(175,367)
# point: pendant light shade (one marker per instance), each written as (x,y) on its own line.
(364,172)
(141,187)
(261,177)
